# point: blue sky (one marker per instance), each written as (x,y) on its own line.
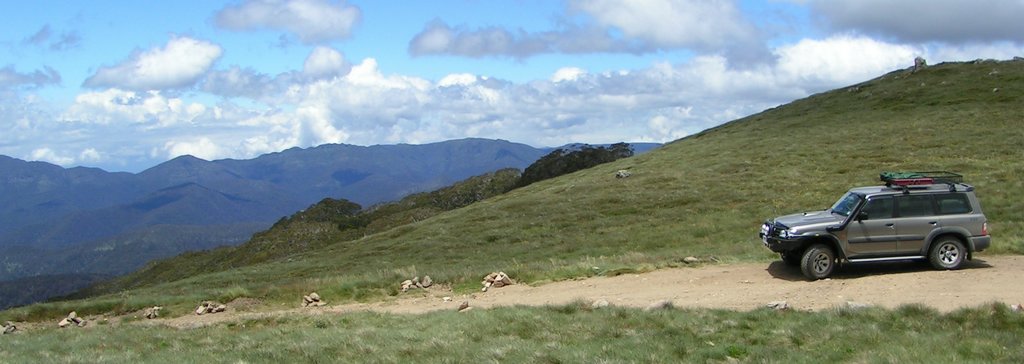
(125,85)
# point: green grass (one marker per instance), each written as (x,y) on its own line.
(703,195)
(561,334)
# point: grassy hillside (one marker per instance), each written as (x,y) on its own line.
(704,195)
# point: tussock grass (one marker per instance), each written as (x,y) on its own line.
(557,334)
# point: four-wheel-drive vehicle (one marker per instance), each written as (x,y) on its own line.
(929,216)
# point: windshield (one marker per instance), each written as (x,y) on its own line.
(846,204)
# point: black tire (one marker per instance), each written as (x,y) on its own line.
(792,259)
(947,253)
(818,262)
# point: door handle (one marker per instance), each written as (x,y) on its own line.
(889,225)
(933,222)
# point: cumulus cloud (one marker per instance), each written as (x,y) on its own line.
(313,21)
(325,62)
(121,106)
(12,79)
(178,64)
(950,21)
(841,59)
(202,147)
(49,155)
(616,26)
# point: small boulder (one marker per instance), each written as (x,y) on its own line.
(406,285)
(64,323)
(691,260)
(1017,308)
(312,300)
(599,304)
(659,305)
(463,306)
(9,328)
(426,282)
(152,312)
(622,173)
(856,305)
(778,305)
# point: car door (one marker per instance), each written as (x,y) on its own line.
(873,231)
(915,219)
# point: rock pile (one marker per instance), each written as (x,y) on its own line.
(622,173)
(496,280)
(415,282)
(71,319)
(312,300)
(9,328)
(210,307)
(152,312)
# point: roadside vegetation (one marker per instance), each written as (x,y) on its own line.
(562,334)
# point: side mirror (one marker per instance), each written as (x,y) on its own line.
(863,215)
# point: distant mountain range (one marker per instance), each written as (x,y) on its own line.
(58,221)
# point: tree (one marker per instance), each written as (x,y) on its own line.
(563,161)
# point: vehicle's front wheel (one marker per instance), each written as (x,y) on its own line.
(818,262)
(947,253)
(792,258)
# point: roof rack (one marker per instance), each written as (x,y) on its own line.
(906,180)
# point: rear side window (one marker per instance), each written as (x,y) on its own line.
(952,203)
(914,205)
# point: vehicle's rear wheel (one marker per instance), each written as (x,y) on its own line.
(792,258)
(818,262)
(947,253)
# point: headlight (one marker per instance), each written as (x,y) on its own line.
(786,234)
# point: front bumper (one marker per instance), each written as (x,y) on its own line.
(780,245)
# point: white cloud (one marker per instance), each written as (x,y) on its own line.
(458,79)
(201,147)
(179,64)
(90,155)
(325,62)
(49,155)
(120,106)
(567,74)
(841,60)
(313,21)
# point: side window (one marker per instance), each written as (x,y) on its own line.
(914,205)
(953,203)
(878,208)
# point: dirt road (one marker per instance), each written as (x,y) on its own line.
(743,286)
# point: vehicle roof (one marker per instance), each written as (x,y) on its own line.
(932,188)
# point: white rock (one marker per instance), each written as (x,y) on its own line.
(778,305)
(600,304)
(658,305)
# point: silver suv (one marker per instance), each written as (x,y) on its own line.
(930,216)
